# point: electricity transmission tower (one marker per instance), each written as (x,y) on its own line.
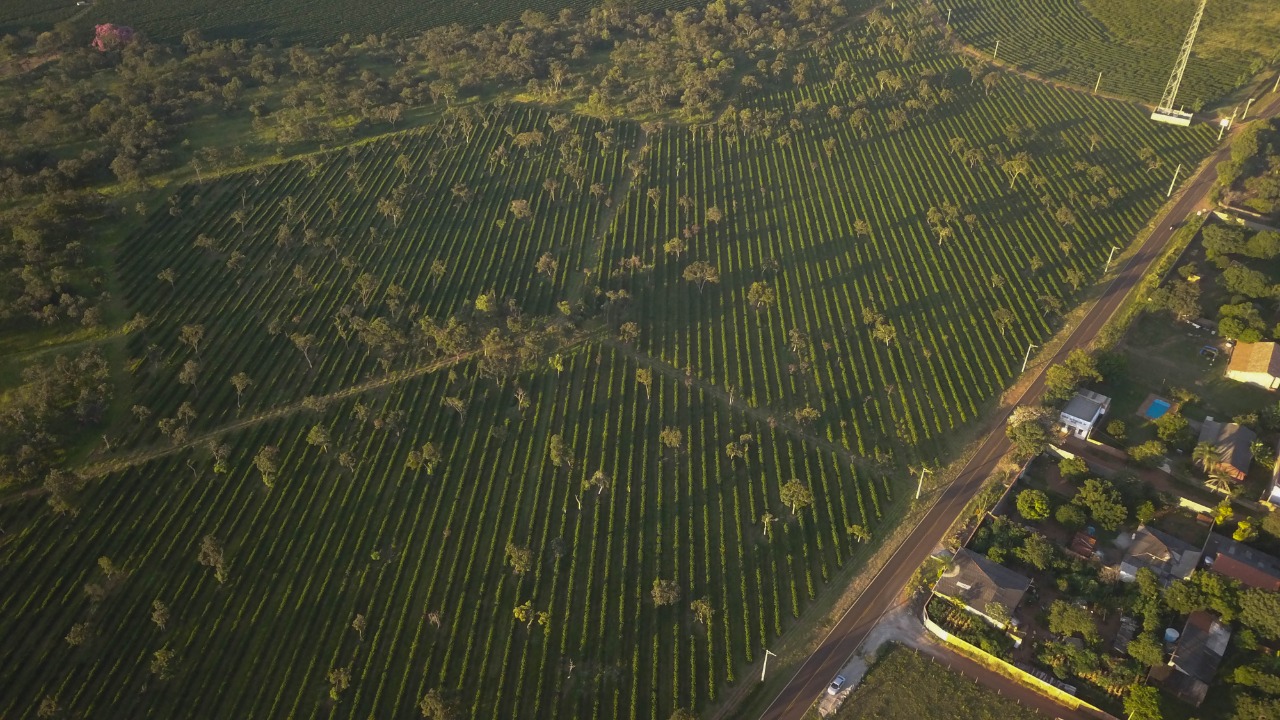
(1166,111)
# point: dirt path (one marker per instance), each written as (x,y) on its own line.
(104,467)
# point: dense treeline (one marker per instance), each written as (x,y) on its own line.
(45,275)
(135,99)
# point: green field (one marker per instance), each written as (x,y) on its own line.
(905,685)
(1133,43)
(881,237)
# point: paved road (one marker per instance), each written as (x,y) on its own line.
(845,638)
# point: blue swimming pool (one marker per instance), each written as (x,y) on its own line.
(1157,409)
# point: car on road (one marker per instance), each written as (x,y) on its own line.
(837,685)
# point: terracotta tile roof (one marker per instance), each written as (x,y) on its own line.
(1255,358)
(1251,567)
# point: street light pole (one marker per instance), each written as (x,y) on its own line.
(1246,109)
(1097,84)
(766,663)
(1111,254)
(948,17)
(1026,359)
(920,483)
(996,54)
(1174,181)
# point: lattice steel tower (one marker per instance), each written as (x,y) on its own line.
(1166,111)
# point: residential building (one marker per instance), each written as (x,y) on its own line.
(1195,658)
(1167,556)
(1256,364)
(1083,413)
(1232,441)
(1273,492)
(975,581)
(1253,568)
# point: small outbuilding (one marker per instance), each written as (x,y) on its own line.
(1256,364)
(976,582)
(1083,413)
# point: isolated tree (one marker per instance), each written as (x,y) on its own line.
(561,454)
(1075,278)
(761,295)
(859,533)
(598,480)
(359,624)
(241,382)
(162,663)
(339,681)
(189,374)
(160,614)
(767,520)
(267,461)
(1219,481)
(714,215)
(211,556)
(701,272)
(48,707)
(427,457)
(79,634)
(702,610)
(644,376)
(795,495)
(665,592)
(519,558)
(628,333)
(1003,319)
(168,275)
(885,332)
(520,208)
(1017,167)
(434,706)
(671,437)
(318,436)
(191,335)
(547,265)
(304,343)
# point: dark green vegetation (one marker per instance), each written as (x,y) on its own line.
(1133,43)
(906,685)
(552,410)
(314,22)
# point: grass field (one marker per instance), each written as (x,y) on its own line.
(1133,43)
(906,685)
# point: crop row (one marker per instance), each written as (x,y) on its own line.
(790,212)
(284,252)
(407,549)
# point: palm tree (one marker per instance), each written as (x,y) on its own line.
(1206,456)
(1219,482)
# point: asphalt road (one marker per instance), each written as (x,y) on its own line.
(848,634)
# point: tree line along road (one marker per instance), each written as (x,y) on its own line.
(853,627)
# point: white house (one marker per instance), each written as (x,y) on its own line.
(1083,413)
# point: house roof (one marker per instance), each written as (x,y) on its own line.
(1255,358)
(1232,441)
(1085,405)
(1236,560)
(1274,494)
(976,580)
(1201,646)
(1161,552)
